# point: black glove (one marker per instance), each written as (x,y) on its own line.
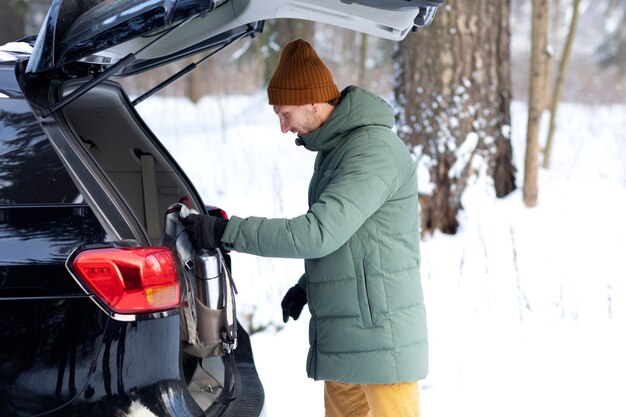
(205,231)
(293,303)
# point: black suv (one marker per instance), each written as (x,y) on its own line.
(80,174)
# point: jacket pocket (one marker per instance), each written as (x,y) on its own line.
(363,294)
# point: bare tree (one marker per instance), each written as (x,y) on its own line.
(536,98)
(453,91)
(560,81)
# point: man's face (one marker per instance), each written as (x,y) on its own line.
(298,119)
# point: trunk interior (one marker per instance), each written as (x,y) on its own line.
(128,154)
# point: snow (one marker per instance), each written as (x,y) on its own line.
(8,50)
(527,306)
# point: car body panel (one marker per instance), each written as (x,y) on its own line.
(25,144)
(36,266)
(65,357)
(49,345)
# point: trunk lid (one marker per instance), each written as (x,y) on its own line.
(86,37)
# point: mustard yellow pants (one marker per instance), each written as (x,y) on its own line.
(371,400)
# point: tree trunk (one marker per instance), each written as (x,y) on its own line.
(560,80)
(536,98)
(194,81)
(362,59)
(12,20)
(452,88)
(554,28)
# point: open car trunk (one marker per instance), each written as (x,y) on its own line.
(123,153)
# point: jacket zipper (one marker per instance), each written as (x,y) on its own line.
(364,299)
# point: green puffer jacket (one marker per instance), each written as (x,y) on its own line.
(360,242)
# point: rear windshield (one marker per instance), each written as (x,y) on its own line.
(89,26)
(87,18)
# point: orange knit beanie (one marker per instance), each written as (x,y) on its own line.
(300,77)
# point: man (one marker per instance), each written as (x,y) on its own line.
(359,240)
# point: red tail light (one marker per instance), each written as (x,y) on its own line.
(131,280)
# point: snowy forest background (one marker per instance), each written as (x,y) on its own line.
(526,304)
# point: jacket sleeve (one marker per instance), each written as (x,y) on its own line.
(303,282)
(363,181)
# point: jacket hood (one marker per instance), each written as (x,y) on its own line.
(358,108)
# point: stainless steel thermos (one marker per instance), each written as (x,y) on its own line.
(207,269)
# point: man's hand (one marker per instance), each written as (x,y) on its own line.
(293,303)
(205,231)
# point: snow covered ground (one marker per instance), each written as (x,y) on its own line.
(527,307)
